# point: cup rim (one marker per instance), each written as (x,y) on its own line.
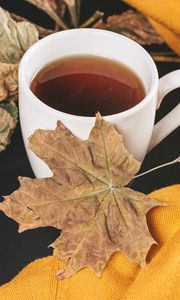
(128,112)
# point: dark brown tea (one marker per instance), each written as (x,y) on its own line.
(83,85)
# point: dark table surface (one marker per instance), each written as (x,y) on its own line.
(17,250)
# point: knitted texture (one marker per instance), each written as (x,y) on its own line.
(164,16)
(121,279)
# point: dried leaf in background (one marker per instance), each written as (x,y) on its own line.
(8,80)
(74,10)
(50,7)
(41,30)
(133,25)
(65,13)
(86,198)
(8,121)
(15,38)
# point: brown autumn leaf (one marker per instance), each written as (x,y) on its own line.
(8,80)
(133,25)
(86,198)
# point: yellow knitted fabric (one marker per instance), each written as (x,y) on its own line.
(164,15)
(121,279)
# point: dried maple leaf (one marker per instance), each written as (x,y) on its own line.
(86,198)
(133,25)
(15,38)
(8,80)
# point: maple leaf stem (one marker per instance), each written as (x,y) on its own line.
(158,167)
(101,216)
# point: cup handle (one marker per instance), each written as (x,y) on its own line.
(171,121)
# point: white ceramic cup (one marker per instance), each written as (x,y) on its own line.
(136,124)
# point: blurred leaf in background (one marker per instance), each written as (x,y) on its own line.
(15,39)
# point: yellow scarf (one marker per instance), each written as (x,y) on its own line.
(121,279)
(164,15)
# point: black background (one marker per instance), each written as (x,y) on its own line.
(17,250)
